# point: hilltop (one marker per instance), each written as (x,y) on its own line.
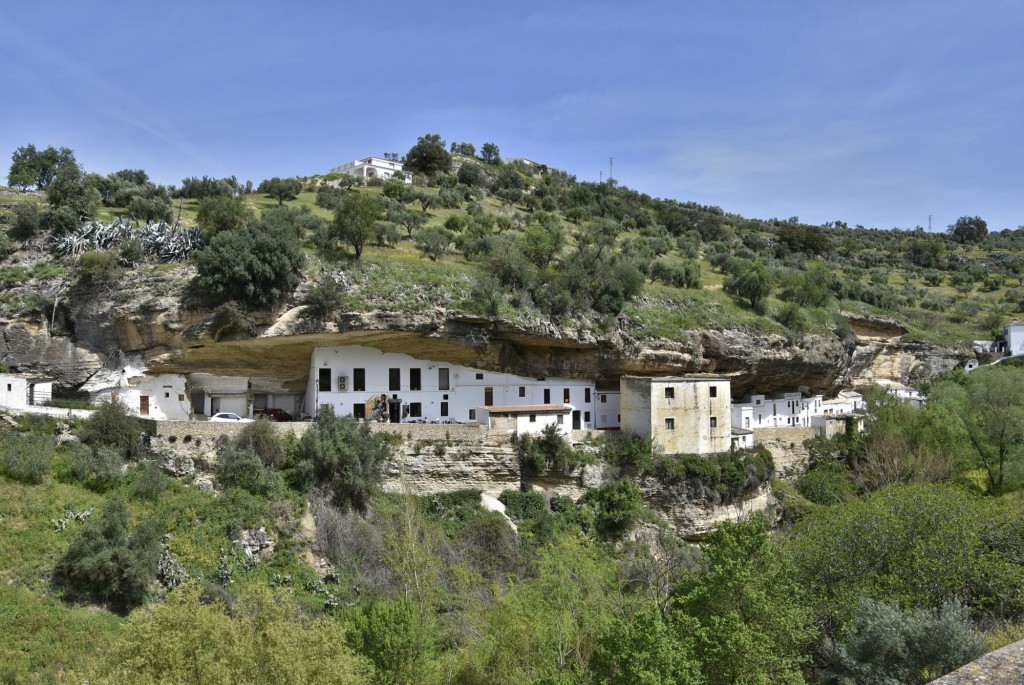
(513,265)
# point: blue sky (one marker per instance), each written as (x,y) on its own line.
(874,113)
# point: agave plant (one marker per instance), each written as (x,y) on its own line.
(163,241)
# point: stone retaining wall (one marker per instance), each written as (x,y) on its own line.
(786,446)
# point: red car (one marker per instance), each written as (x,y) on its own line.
(274,414)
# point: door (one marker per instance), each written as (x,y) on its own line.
(144,405)
(576,420)
(488,397)
(395,411)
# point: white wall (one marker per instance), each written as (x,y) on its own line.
(608,406)
(13,391)
(1015,339)
(466,393)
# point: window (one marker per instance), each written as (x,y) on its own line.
(442,379)
(670,393)
(394,379)
(359,411)
(181,398)
(415,409)
(533,418)
(358,379)
(670,424)
(325,380)
(167,395)
(561,419)
(444,409)
(604,399)
(472,414)
(714,422)
(547,395)
(713,390)
(746,422)
(586,417)
(586,395)
(522,391)
(8,387)
(565,396)
(479,376)
(415,382)
(488,397)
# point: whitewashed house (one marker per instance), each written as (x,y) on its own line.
(163,397)
(350,378)
(679,414)
(607,410)
(13,392)
(1014,336)
(373,167)
(528,419)
(781,410)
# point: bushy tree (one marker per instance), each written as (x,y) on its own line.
(884,644)
(149,209)
(111,425)
(263,638)
(969,229)
(745,611)
(754,284)
(255,266)
(220,213)
(112,561)
(199,188)
(355,220)
(280,189)
(37,168)
(433,242)
(490,153)
(27,221)
(329,197)
(428,156)
(345,457)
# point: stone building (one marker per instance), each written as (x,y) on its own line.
(679,414)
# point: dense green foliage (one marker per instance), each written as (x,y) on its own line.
(110,560)
(256,266)
(112,426)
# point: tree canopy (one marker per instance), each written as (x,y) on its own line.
(428,156)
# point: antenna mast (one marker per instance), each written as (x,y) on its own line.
(611,165)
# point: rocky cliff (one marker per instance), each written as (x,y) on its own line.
(77,330)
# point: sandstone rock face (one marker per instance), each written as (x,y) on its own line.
(693,518)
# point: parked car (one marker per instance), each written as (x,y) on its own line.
(274,414)
(228,416)
(417,419)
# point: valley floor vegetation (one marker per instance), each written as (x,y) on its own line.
(897,556)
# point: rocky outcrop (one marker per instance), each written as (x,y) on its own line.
(902,362)
(694,517)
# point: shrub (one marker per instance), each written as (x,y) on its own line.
(26,458)
(99,467)
(27,221)
(794,318)
(617,506)
(523,506)
(241,467)
(325,297)
(885,644)
(261,437)
(547,452)
(149,483)
(254,266)
(111,561)
(722,477)
(826,483)
(344,456)
(627,451)
(112,426)
(98,266)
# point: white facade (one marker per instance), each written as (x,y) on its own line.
(13,391)
(348,377)
(607,409)
(679,414)
(1014,334)
(528,419)
(783,410)
(155,397)
(373,167)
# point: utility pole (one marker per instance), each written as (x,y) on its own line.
(929,223)
(600,176)
(611,165)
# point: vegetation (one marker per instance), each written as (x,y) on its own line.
(899,550)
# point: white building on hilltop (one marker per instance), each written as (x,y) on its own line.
(365,382)
(373,167)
